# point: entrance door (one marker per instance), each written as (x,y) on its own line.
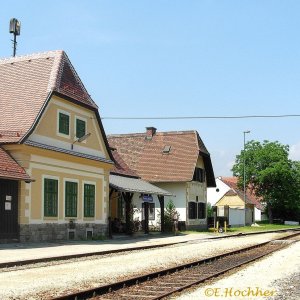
(9,228)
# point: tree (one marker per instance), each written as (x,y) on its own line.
(170,215)
(209,210)
(271,176)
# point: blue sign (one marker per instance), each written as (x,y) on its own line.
(147,198)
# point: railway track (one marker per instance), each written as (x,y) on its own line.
(161,284)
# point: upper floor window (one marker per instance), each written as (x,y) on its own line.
(80,128)
(64,123)
(199,175)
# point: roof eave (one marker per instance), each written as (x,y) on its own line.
(17,178)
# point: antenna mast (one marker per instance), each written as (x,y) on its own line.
(15,29)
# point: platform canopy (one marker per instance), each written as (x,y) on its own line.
(135,185)
(10,169)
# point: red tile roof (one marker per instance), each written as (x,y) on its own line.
(26,82)
(145,155)
(121,168)
(10,169)
(250,197)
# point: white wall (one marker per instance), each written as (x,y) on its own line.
(213,196)
(257,214)
(236,217)
(179,190)
(179,200)
(137,205)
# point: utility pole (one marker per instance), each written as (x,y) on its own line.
(244,156)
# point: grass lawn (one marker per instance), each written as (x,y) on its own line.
(261,227)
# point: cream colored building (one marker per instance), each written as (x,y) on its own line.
(53,130)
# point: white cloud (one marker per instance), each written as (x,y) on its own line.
(295,152)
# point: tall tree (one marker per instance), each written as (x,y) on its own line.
(271,176)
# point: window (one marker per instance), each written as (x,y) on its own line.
(201,210)
(192,208)
(199,175)
(89,200)
(50,197)
(64,123)
(80,128)
(71,199)
(197,210)
(151,211)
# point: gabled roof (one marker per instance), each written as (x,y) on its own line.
(27,81)
(10,169)
(250,197)
(144,154)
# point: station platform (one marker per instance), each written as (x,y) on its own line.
(24,253)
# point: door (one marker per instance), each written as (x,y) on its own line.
(9,228)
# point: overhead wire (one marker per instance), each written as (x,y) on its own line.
(201,117)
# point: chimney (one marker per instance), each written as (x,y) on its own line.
(150,132)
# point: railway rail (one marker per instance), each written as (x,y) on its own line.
(158,285)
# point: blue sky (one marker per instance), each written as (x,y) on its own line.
(167,58)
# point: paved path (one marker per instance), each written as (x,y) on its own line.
(17,252)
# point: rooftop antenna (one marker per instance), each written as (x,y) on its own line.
(15,29)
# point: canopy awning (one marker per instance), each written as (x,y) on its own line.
(135,185)
(10,169)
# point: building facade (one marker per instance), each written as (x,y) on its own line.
(177,162)
(53,130)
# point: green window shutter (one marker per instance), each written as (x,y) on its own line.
(71,199)
(64,124)
(50,197)
(80,128)
(89,200)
